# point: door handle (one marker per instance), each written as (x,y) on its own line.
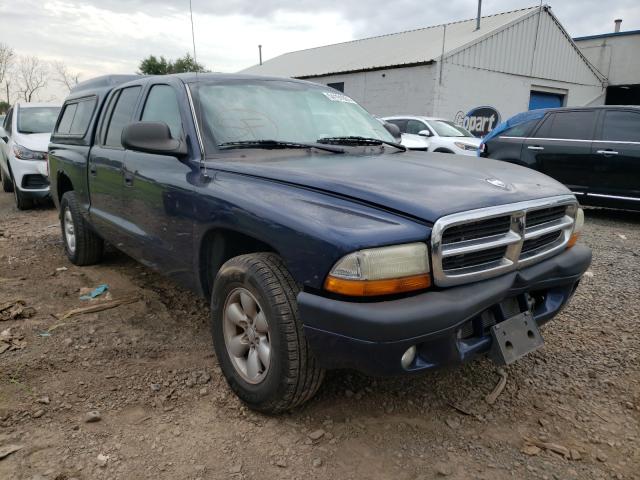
(606,152)
(93,171)
(535,147)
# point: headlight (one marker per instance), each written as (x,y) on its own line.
(577,228)
(24,153)
(381,271)
(465,146)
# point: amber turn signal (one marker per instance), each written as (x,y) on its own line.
(573,239)
(370,288)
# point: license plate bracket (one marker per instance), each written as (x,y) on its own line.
(514,338)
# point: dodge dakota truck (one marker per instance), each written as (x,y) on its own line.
(320,241)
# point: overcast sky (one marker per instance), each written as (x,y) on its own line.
(95,37)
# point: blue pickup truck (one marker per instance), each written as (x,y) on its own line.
(320,241)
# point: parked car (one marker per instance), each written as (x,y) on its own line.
(435,135)
(320,241)
(24,138)
(595,151)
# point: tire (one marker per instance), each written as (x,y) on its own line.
(291,375)
(7,184)
(81,244)
(22,202)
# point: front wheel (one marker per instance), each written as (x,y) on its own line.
(258,336)
(22,201)
(7,184)
(82,245)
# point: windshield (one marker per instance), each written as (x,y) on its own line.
(37,119)
(280,110)
(445,128)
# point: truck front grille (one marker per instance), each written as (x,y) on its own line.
(487,242)
(473,230)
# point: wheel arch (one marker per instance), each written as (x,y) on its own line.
(221,244)
(63,185)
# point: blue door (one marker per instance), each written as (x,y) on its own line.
(545,100)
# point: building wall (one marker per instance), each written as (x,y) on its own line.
(616,57)
(464,88)
(389,92)
(535,46)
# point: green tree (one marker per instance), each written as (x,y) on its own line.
(4,106)
(161,66)
(187,64)
(154,66)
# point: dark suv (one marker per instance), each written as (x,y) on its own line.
(595,151)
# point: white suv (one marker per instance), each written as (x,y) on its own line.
(434,135)
(24,138)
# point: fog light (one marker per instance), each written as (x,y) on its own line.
(408,357)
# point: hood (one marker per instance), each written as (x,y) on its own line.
(38,142)
(419,184)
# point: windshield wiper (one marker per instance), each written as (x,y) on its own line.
(354,140)
(276,144)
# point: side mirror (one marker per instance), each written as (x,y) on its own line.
(393,129)
(424,133)
(152,137)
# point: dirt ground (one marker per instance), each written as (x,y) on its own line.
(165,411)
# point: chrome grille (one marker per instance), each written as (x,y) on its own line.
(473,230)
(487,242)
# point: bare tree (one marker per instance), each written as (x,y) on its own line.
(64,76)
(32,75)
(6,60)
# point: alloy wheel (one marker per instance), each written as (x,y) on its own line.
(246,335)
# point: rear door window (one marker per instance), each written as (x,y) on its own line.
(64,126)
(82,117)
(162,106)
(621,126)
(571,125)
(121,116)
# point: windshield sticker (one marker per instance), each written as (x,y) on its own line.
(338,97)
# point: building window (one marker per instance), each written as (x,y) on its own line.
(338,86)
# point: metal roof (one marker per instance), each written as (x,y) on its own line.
(414,47)
(606,35)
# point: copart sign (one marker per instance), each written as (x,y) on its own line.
(479,120)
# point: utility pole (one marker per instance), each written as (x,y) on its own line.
(7,83)
(260,53)
(479,14)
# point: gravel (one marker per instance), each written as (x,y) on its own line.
(149,369)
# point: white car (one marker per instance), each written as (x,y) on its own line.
(434,135)
(24,138)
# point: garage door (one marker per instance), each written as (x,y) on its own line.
(545,100)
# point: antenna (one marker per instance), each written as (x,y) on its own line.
(197,109)
(193,38)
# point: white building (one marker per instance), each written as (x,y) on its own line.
(615,55)
(514,61)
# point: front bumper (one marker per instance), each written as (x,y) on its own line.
(470,153)
(371,337)
(31,177)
